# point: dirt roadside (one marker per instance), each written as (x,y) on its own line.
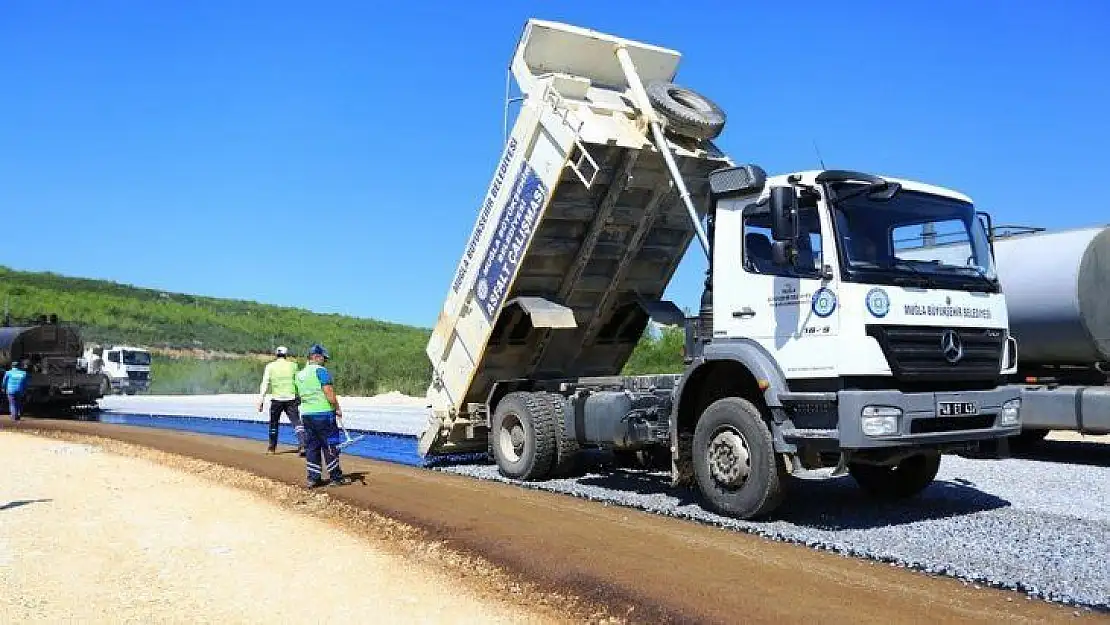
(119,533)
(642,566)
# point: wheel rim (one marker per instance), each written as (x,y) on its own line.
(730,459)
(511,438)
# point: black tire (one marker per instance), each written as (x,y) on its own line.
(763,488)
(900,481)
(565,462)
(1029,438)
(130,391)
(687,112)
(523,436)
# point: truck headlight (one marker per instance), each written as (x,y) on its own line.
(880,420)
(1011,413)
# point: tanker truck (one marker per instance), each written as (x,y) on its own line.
(1057,287)
(49,352)
(817,345)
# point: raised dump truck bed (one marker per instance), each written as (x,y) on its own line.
(580,232)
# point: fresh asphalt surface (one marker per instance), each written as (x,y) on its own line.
(1039,525)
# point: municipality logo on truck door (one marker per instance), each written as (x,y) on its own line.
(878,302)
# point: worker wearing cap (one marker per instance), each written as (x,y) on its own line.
(277,380)
(14,384)
(322,416)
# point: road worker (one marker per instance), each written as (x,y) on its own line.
(277,380)
(15,384)
(322,417)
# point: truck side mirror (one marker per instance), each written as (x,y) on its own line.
(784,214)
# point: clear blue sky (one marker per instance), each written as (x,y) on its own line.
(331,155)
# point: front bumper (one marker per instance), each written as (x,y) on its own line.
(918,425)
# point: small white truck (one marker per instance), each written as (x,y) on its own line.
(123,368)
(817,344)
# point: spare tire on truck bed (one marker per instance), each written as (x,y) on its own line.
(687,112)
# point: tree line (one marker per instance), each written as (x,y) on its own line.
(370,356)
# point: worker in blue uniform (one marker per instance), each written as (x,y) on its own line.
(321,417)
(15,385)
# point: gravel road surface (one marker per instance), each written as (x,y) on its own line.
(1039,524)
(1039,527)
(646,567)
(92,536)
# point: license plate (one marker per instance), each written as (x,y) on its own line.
(956,408)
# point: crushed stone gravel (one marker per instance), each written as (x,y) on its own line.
(1040,528)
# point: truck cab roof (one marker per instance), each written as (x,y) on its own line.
(810,177)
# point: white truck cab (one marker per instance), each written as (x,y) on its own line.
(828,275)
(124,369)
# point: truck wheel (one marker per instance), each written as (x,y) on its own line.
(524,442)
(899,481)
(1029,438)
(735,464)
(688,113)
(565,463)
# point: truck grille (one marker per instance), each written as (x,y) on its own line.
(138,375)
(925,353)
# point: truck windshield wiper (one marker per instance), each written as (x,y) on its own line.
(979,273)
(921,275)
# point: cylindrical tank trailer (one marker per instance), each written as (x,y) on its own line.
(49,352)
(1057,287)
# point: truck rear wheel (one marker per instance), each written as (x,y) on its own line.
(735,464)
(523,436)
(899,481)
(565,462)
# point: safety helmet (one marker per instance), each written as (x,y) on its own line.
(281,351)
(318,349)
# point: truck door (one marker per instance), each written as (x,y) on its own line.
(790,310)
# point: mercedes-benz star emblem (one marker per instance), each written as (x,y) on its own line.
(951,346)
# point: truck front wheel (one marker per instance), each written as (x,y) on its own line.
(523,435)
(898,481)
(735,464)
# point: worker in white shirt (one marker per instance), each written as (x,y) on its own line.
(277,380)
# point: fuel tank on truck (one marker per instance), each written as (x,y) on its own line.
(1057,287)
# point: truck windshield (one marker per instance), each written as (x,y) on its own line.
(912,238)
(136,358)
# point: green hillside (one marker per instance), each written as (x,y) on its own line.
(369,356)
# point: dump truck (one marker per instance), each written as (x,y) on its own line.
(815,345)
(49,352)
(1057,286)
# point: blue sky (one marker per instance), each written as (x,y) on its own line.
(332,156)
